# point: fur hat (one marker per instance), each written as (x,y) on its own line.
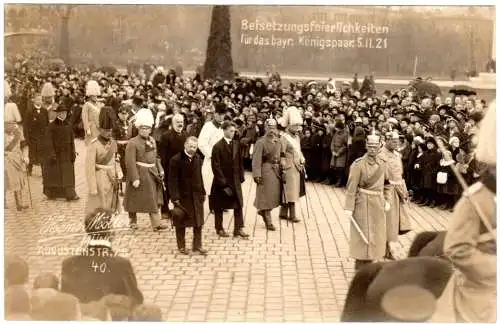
(92,88)
(144,117)
(291,116)
(486,141)
(48,90)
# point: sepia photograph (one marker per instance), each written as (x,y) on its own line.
(249,163)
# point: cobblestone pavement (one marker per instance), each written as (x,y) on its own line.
(300,272)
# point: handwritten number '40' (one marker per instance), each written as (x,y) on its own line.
(99,267)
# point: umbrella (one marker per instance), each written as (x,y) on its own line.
(462,90)
(424,88)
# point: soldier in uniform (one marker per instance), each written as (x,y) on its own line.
(398,220)
(90,112)
(470,242)
(102,170)
(365,205)
(294,163)
(144,191)
(121,133)
(266,171)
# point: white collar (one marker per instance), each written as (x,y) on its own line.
(105,243)
(228,140)
(189,156)
(38,107)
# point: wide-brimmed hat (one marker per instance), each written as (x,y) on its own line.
(179,213)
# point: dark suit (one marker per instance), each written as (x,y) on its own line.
(97,273)
(227,167)
(35,127)
(170,144)
(185,184)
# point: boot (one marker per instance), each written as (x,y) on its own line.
(293,217)
(283,211)
(268,221)
(432,204)
(388,253)
(19,201)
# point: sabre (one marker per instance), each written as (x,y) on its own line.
(464,186)
(358,229)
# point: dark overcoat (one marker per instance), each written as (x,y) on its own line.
(97,273)
(35,128)
(170,144)
(149,195)
(227,166)
(325,153)
(60,155)
(430,163)
(185,183)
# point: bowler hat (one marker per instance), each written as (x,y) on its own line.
(179,213)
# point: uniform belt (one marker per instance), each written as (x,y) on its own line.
(122,142)
(146,165)
(396,183)
(103,166)
(370,192)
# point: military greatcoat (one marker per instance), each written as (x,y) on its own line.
(365,198)
(398,219)
(265,165)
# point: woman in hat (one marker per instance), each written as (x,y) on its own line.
(59,169)
(15,162)
(430,166)
(90,111)
(102,171)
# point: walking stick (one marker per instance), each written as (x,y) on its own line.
(464,186)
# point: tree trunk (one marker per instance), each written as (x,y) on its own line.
(64,46)
(219,61)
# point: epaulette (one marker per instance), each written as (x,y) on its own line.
(474,188)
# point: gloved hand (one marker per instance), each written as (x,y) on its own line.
(348,213)
(136,183)
(228,191)
(176,202)
(258,180)
(387,206)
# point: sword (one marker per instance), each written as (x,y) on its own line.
(358,229)
(464,186)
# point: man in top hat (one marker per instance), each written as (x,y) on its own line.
(266,171)
(210,134)
(102,169)
(187,192)
(144,191)
(90,111)
(470,242)
(398,220)
(365,205)
(294,163)
(58,169)
(226,193)
(35,123)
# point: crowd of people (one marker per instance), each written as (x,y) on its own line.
(165,142)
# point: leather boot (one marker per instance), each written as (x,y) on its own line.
(388,253)
(268,221)
(293,217)
(284,211)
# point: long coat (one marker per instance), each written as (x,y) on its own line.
(265,165)
(185,183)
(59,168)
(470,295)
(35,127)
(148,197)
(326,153)
(14,166)
(227,166)
(430,163)
(170,144)
(113,275)
(90,119)
(367,208)
(102,172)
(398,218)
(339,146)
(294,162)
